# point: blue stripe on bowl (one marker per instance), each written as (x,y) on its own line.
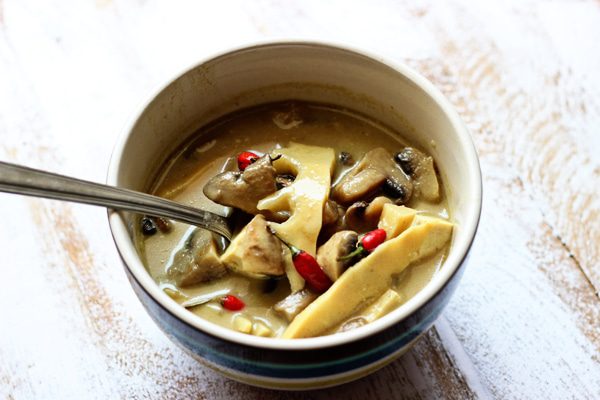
(310,370)
(298,364)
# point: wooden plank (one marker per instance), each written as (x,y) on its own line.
(523,323)
(535,291)
(119,341)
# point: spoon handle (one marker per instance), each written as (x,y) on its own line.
(32,182)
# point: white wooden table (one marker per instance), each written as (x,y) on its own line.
(524,75)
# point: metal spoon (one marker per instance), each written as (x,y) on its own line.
(32,182)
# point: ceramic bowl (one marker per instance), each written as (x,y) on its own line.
(385,90)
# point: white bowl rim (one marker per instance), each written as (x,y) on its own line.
(455,258)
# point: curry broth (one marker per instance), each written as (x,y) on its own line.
(212,150)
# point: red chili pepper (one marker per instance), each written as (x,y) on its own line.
(373,239)
(309,269)
(367,244)
(246,158)
(232,303)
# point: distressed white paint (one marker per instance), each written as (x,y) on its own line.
(523,323)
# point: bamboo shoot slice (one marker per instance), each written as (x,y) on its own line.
(363,283)
(395,219)
(304,199)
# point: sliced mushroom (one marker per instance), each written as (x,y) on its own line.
(339,245)
(395,191)
(419,166)
(359,186)
(330,212)
(362,216)
(198,260)
(243,190)
(333,220)
(255,252)
(354,218)
(375,208)
(295,303)
(407,159)
(376,170)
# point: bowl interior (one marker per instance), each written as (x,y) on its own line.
(385,91)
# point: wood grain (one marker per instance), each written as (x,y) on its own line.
(523,75)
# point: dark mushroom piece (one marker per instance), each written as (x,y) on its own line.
(198,260)
(362,216)
(243,190)
(354,218)
(295,303)
(375,171)
(339,245)
(333,220)
(330,212)
(150,225)
(374,210)
(284,180)
(420,167)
